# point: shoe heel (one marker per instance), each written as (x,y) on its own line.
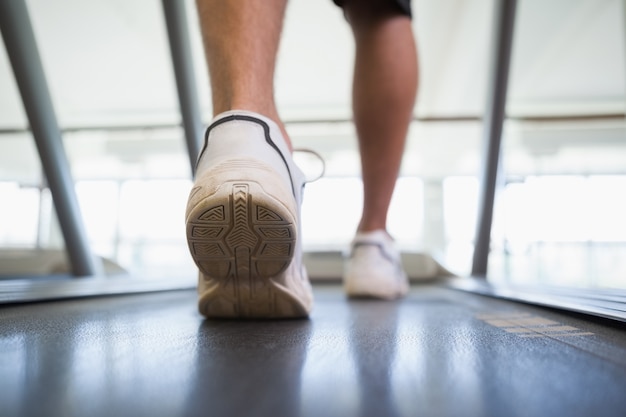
(240,232)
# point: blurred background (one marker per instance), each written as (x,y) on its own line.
(560,208)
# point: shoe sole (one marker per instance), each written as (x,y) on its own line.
(261,301)
(240,238)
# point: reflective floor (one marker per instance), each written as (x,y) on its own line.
(438,352)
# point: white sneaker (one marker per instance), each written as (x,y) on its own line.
(373,267)
(243,222)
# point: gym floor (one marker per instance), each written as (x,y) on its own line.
(438,352)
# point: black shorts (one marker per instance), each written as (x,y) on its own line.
(403,6)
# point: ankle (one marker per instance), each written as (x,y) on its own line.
(366,226)
(377,230)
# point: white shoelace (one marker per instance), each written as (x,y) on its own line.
(310,162)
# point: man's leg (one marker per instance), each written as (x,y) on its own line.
(384,92)
(243,213)
(241,41)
